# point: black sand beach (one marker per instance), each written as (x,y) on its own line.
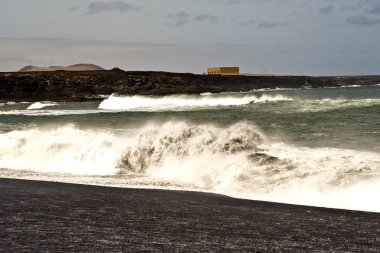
(47,216)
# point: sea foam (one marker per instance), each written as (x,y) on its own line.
(40,105)
(180,102)
(237,160)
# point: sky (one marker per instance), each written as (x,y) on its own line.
(295,37)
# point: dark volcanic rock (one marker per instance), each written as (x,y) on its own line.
(53,217)
(87,85)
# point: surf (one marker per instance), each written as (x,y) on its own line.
(172,102)
(236,160)
(40,105)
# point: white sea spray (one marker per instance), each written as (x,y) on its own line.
(237,160)
(152,103)
(40,105)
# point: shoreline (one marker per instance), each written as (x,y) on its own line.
(120,185)
(80,86)
(50,216)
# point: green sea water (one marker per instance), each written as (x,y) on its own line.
(343,118)
(305,146)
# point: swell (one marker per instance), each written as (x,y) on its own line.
(184,101)
(273,103)
(336,104)
(237,160)
(40,105)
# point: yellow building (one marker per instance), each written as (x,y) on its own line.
(223,71)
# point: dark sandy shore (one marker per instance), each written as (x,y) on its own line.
(45,216)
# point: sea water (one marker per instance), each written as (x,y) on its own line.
(318,147)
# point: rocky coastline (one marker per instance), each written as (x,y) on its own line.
(66,86)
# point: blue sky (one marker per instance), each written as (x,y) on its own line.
(318,37)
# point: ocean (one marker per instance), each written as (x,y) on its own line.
(317,147)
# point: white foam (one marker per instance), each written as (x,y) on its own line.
(275,89)
(12,103)
(151,103)
(40,105)
(333,104)
(236,161)
(64,150)
(206,94)
(53,112)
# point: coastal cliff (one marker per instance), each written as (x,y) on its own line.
(90,85)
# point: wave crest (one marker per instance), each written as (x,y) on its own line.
(155,145)
(40,105)
(235,160)
(173,102)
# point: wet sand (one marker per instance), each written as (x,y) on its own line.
(47,216)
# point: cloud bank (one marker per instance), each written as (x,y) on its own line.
(97,7)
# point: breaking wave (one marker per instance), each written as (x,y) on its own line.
(11,103)
(237,161)
(46,112)
(208,101)
(40,105)
(334,104)
(173,102)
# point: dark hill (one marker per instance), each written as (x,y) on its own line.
(76,67)
(88,85)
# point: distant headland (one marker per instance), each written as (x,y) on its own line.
(75,67)
(77,83)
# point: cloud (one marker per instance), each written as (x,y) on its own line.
(266,25)
(237,21)
(233,1)
(206,18)
(248,23)
(362,20)
(96,7)
(348,8)
(227,1)
(375,9)
(179,18)
(326,10)
(236,2)
(74,8)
